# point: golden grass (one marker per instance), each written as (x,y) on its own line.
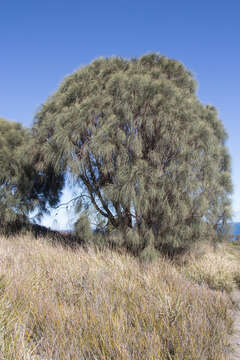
(219,268)
(62,304)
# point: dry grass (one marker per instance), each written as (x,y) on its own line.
(219,268)
(64,304)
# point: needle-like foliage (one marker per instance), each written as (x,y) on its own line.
(149,155)
(22,187)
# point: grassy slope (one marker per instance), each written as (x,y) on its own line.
(64,304)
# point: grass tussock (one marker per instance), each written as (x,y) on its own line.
(218,267)
(56,303)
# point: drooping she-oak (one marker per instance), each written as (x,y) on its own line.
(149,155)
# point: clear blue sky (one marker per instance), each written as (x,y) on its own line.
(43,41)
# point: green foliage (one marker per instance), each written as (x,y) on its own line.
(12,140)
(82,228)
(148,154)
(23,188)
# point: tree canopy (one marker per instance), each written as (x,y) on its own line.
(22,187)
(148,155)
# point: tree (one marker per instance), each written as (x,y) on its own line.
(82,228)
(151,158)
(22,187)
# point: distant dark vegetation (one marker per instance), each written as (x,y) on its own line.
(149,158)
